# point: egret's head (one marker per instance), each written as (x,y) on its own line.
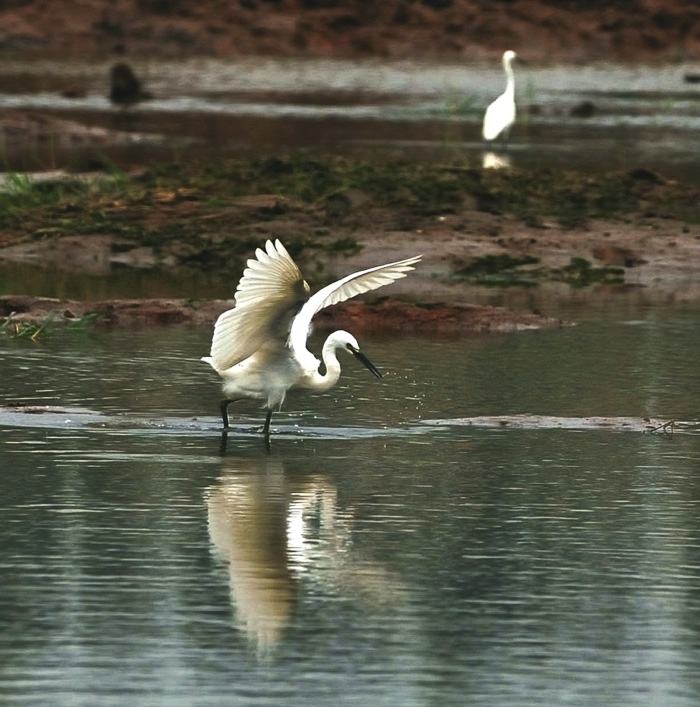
(509,56)
(344,339)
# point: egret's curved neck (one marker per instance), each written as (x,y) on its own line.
(330,377)
(510,78)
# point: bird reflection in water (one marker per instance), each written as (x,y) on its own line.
(278,533)
(247,526)
(494,160)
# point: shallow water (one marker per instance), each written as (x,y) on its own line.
(367,554)
(370,553)
(644,116)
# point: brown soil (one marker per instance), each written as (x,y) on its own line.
(659,258)
(541,30)
(360,317)
(655,251)
(656,255)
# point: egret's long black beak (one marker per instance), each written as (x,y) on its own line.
(365,361)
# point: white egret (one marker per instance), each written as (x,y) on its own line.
(500,115)
(259,346)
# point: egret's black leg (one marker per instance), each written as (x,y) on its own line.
(266,426)
(223,444)
(224,412)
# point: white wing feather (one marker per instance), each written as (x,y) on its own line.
(269,293)
(345,288)
(499,116)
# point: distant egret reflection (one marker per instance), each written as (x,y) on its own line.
(494,160)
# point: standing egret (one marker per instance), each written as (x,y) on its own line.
(259,346)
(500,115)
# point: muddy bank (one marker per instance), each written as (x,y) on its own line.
(541,30)
(20,312)
(533,422)
(476,228)
(34,130)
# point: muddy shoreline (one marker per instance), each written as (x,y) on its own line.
(477,230)
(388,316)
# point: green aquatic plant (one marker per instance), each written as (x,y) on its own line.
(346,246)
(504,270)
(22,191)
(25,330)
(581,273)
(499,270)
(174,201)
(34,330)
(461,105)
(84,322)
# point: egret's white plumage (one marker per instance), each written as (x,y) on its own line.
(500,115)
(259,346)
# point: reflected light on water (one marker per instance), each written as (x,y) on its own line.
(495,160)
(247,514)
(279,534)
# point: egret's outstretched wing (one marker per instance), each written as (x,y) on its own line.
(270,292)
(343,289)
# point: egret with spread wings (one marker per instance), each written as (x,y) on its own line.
(259,346)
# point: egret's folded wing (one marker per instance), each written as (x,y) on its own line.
(345,288)
(270,292)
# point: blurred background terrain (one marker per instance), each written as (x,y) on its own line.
(571,30)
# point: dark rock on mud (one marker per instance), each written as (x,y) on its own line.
(125,88)
(584,109)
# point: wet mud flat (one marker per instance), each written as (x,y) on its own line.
(477,229)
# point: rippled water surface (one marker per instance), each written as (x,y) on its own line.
(381,551)
(366,557)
